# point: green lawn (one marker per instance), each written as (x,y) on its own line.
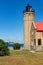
(22,57)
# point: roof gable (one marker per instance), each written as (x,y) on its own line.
(39,26)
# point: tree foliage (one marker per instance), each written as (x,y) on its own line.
(3,48)
(16,46)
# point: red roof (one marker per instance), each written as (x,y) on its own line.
(39,26)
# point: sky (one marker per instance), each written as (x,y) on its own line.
(11,18)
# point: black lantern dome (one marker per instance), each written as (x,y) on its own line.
(28,8)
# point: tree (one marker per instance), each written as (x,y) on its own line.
(16,46)
(3,48)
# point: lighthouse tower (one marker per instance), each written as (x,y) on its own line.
(28,19)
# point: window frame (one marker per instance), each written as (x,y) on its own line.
(39,42)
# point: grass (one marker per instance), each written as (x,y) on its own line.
(22,57)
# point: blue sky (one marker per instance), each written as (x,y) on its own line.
(11,17)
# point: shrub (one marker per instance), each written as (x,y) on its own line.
(16,46)
(3,48)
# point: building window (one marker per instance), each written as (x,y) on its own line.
(42,33)
(34,41)
(39,41)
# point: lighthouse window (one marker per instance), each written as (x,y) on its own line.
(30,9)
(29,13)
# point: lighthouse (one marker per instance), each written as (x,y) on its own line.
(28,20)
